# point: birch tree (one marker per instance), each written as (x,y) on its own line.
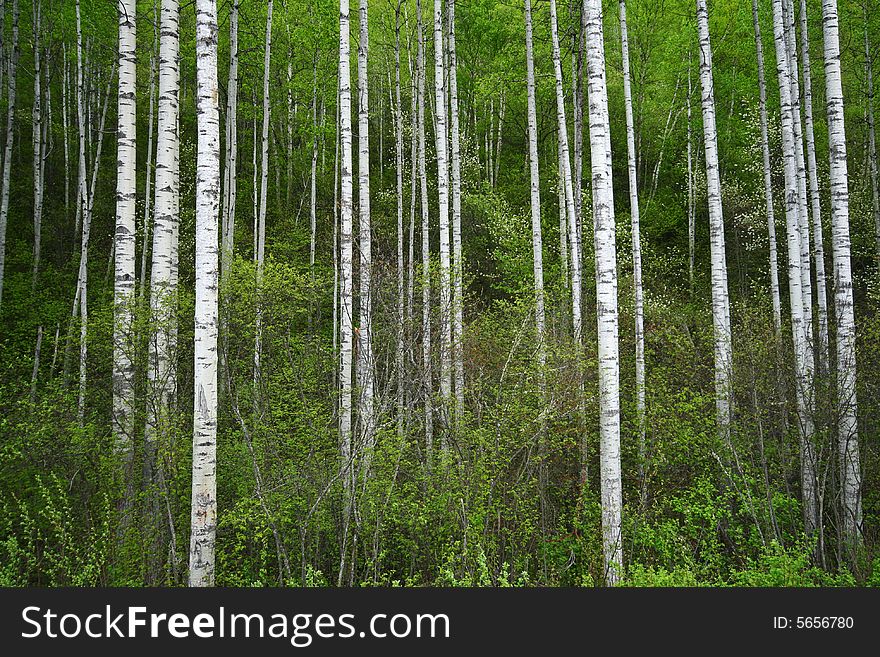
(847,426)
(457,264)
(768,182)
(427,381)
(399,352)
(537,243)
(204,466)
(12,74)
(442,151)
(346,284)
(720,298)
(37,143)
(606,294)
(799,322)
(815,204)
(124,243)
(230,184)
(565,169)
(264,192)
(638,298)
(163,291)
(365,344)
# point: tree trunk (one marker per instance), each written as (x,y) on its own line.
(124,242)
(261,219)
(565,163)
(204,466)
(768,182)
(537,249)
(10,128)
(720,298)
(458,265)
(816,206)
(442,151)
(636,255)
(346,271)
(38,146)
(606,292)
(426,247)
(799,322)
(150,169)
(847,426)
(399,364)
(230,185)
(365,342)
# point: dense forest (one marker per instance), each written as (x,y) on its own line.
(450,293)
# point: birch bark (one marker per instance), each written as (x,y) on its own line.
(204,467)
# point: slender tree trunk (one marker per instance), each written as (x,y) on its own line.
(797,127)
(816,206)
(847,426)
(124,242)
(458,264)
(720,298)
(66,113)
(230,183)
(636,254)
(497,152)
(365,343)
(442,152)
(565,168)
(36,370)
(537,249)
(38,146)
(426,247)
(768,182)
(12,73)
(204,466)
(799,322)
(264,193)
(399,363)
(151,163)
(313,205)
(163,289)
(346,272)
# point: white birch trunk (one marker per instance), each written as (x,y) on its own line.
(800,325)
(768,183)
(443,211)
(37,143)
(124,242)
(365,343)
(162,268)
(574,241)
(346,259)
(313,205)
(847,426)
(264,189)
(151,162)
(606,295)
(230,185)
(426,247)
(457,263)
(636,251)
(204,466)
(399,363)
(815,202)
(720,298)
(12,73)
(800,161)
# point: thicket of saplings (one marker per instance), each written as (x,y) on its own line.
(697,511)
